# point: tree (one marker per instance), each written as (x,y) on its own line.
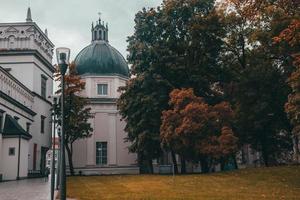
(291,35)
(140,106)
(77,113)
(176,45)
(198,131)
(257,70)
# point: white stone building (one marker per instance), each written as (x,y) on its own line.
(26,81)
(104,70)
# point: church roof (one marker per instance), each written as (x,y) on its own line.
(12,128)
(100,58)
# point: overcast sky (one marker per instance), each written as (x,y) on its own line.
(69,21)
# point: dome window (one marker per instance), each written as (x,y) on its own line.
(95,35)
(100,35)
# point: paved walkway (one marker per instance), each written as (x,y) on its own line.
(28,189)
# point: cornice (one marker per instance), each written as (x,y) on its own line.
(17,104)
(35,53)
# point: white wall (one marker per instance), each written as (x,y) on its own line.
(41,139)
(24,158)
(114,82)
(10,163)
(107,127)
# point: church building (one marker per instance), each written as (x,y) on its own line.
(104,70)
(26,82)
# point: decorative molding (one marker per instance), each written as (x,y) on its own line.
(16,103)
(30,29)
(102,100)
(15,80)
(11,29)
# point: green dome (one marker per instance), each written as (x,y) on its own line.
(100,58)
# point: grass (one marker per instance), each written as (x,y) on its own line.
(256,183)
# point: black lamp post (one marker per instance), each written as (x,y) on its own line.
(58,159)
(63,56)
(54,101)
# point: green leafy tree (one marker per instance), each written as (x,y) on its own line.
(257,70)
(291,35)
(77,113)
(176,45)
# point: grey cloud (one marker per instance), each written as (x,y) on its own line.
(69,21)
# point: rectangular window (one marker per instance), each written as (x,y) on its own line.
(43,124)
(43,86)
(11,151)
(101,153)
(28,127)
(34,156)
(1,120)
(102,89)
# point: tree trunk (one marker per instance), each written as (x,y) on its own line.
(174,162)
(222,164)
(150,166)
(204,165)
(183,165)
(141,163)
(265,155)
(69,152)
(296,149)
(235,162)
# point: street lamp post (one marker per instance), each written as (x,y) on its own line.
(63,55)
(58,159)
(54,98)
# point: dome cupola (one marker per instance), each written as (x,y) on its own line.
(100,58)
(100,32)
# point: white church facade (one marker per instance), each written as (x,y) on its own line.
(26,82)
(104,70)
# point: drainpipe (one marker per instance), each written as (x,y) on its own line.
(19,152)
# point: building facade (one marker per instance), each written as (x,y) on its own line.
(26,83)
(104,70)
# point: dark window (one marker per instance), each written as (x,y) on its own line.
(102,89)
(95,35)
(1,120)
(43,86)
(101,153)
(11,151)
(43,124)
(28,127)
(100,35)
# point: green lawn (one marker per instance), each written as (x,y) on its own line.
(259,183)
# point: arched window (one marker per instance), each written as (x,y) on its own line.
(95,35)
(104,35)
(11,42)
(100,35)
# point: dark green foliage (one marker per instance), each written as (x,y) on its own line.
(176,45)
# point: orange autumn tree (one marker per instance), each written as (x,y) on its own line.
(197,131)
(77,113)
